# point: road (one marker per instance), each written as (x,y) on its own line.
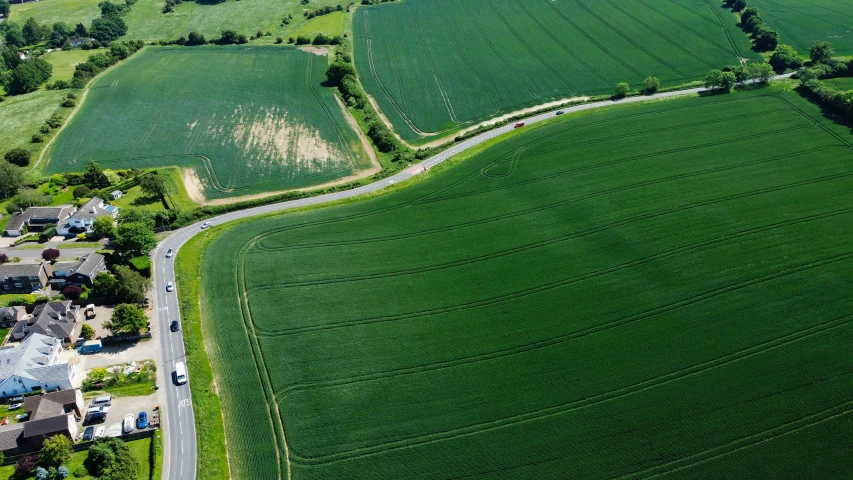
(178,421)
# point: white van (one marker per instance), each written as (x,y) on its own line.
(180,373)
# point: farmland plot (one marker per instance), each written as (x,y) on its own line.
(800,24)
(246,120)
(436,65)
(660,290)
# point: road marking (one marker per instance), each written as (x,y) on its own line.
(184,403)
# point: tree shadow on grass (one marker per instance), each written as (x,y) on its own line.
(145,201)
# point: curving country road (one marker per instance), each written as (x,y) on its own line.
(177,417)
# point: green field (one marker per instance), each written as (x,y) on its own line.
(246,119)
(843,83)
(800,24)
(435,65)
(64,61)
(22,115)
(633,292)
(71,12)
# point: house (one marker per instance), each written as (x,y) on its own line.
(54,413)
(34,365)
(36,218)
(83,219)
(77,41)
(24,277)
(9,316)
(81,272)
(53,319)
(115,194)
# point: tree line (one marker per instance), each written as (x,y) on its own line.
(763,37)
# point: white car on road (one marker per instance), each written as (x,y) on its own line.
(205,225)
(169,287)
(169,253)
(127,425)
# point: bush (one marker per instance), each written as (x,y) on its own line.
(18,156)
(651,85)
(50,254)
(72,292)
(68,103)
(81,191)
(80,472)
(87,332)
(622,90)
(62,473)
(25,465)
(47,233)
(37,138)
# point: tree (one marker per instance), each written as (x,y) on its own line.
(738,5)
(760,72)
(337,71)
(131,285)
(55,451)
(727,81)
(766,40)
(50,254)
(25,465)
(110,457)
(87,332)
(94,176)
(134,239)
(748,13)
(651,85)
(13,34)
(821,52)
(713,79)
(33,32)
(152,185)
(135,215)
(11,179)
(104,226)
(195,38)
(105,285)
(622,90)
(5,8)
(785,57)
(229,37)
(107,29)
(18,156)
(126,318)
(72,292)
(28,76)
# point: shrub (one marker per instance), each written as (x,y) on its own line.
(18,156)
(87,332)
(68,103)
(37,138)
(651,85)
(72,292)
(50,254)
(46,234)
(622,90)
(81,191)
(25,465)
(62,472)
(80,472)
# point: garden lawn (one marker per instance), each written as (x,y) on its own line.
(800,24)
(607,295)
(141,450)
(435,66)
(22,115)
(260,122)
(64,62)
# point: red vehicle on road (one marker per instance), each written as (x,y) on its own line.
(519,124)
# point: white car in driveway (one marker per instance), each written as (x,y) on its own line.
(99,432)
(127,425)
(169,287)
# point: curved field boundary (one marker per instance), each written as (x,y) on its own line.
(575,405)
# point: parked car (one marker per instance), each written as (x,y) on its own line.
(94,418)
(100,432)
(519,124)
(99,408)
(175,326)
(560,112)
(15,406)
(205,225)
(17,399)
(142,420)
(88,434)
(169,253)
(169,287)
(127,425)
(22,416)
(103,400)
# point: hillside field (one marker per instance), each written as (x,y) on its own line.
(800,24)
(246,119)
(661,290)
(436,65)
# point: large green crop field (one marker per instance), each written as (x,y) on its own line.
(246,119)
(660,290)
(800,24)
(435,65)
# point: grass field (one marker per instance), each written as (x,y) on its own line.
(800,24)
(22,115)
(436,65)
(71,12)
(246,119)
(657,290)
(844,83)
(64,61)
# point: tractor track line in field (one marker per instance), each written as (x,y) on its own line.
(563,338)
(722,23)
(503,298)
(629,39)
(717,23)
(524,212)
(447,103)
(575,405)
(592,40)
(744,443)
(730,50)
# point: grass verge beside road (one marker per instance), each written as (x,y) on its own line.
(210,431)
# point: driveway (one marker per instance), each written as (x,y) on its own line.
(120,407)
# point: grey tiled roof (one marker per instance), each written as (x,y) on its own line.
(20,270)
(36,428)
(89,264)
(11,436)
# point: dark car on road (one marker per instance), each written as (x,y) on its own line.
(142,420)
(175,326)
(88,434)
(560,112)
(94,418)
